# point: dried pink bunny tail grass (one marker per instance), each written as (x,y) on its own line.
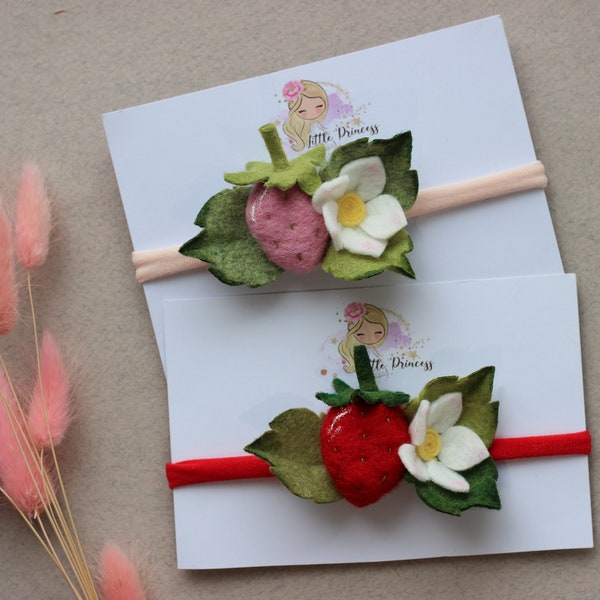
(27,482)
(23,475)
(8,286)
(33,219)
(8,410)
(49,412)
(119,579)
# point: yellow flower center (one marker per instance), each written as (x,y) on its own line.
(431,446)
(351,210)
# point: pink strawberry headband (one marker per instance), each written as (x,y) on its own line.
(442,441)
(346,214)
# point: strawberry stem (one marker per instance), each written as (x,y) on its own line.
(274,147)
(364,371)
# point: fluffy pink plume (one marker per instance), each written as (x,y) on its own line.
(119,579)
(8,286)
(33,219)
(8,407)
(49,412)
(24,482)
(21,473)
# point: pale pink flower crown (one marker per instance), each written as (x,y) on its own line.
(291,90)
(355,311)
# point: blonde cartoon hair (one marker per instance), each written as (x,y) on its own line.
(357,314)
(297,127)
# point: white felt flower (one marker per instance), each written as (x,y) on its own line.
(439,448)
(357,215)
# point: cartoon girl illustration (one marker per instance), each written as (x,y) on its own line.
(367,325)
(308,104)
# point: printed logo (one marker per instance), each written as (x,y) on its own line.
(320,113)
(385,334)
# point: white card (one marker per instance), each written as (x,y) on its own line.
(454,89)
(234,363)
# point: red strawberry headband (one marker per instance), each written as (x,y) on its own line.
(442,441)
(346,214)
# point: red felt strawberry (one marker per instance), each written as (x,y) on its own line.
(361,434)
(359,446)
(351,452)
(290,232)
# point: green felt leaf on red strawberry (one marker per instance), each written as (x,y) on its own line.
(483,492)
(234,255)
(367,391)
(292,447)
(281,172)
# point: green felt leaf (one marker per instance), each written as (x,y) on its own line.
(367,386)
(479,412)
(293,449)
(483,490)
(281,172)
(235,257)
(339,385)
(404,186)
(395,153)
(345,265)
(387,398)
(341,398)
(351,395)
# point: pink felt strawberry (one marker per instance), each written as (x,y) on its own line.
(279,212)
(290,232)
(359,446)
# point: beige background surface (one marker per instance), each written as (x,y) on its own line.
(60,70)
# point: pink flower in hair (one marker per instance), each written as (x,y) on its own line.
(291,90)
(355,311)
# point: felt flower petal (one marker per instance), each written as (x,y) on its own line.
(418,425)
(334,227)
(415,466)
(445,411)
(356,192)
(462,448)
(385,217)
(358,242)
(366,176)
(447,478)
(330,191)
